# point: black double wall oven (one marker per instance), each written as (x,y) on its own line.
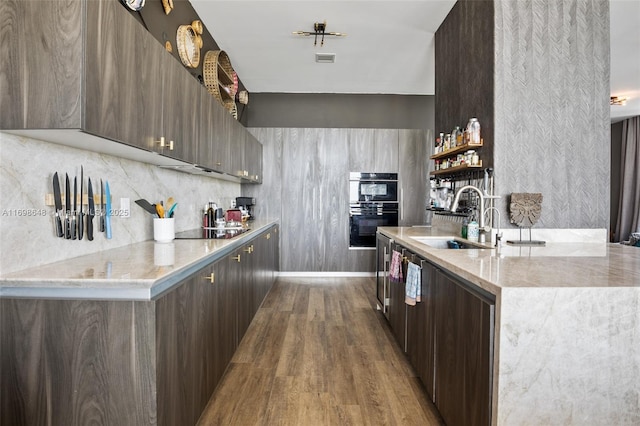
(373,202)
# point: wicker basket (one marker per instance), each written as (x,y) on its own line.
(188,47)
(232,108)
(218,76)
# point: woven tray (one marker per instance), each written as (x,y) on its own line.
(217,72)
(188,46)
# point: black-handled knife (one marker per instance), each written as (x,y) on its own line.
(57,197)
(67,205)
(74,224)
(91,213)
(81,213)
(102,207)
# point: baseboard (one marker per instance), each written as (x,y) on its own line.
(325,274)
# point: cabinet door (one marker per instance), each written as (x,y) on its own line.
(245,304)
(421,329)
(181,118)
(253,158)
(397,307)
(237,140)
(182,370)
(261,267)
(464,348)
(221,323)
(123,78)
(373,150)
(383,257)
(40,83)
(213,139)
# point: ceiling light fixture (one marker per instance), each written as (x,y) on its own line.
(618,101)
(319,29)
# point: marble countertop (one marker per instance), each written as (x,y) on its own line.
(557,264)
(139,271)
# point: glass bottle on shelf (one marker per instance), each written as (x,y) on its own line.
(454,137)
(474,131)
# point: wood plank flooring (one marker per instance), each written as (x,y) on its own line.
(318,353)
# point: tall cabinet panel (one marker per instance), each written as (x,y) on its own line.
(315,203)
(413,176)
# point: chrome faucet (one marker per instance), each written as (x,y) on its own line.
(481,210)
(498,233)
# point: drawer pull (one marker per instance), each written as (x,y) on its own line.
(236,258)
(211,278)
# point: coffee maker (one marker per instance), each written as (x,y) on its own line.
(246,203)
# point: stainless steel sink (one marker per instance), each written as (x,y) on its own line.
(446,243)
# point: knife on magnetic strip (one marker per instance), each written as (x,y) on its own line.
(107,213)
(57,198)
(81,213)
(67,206)
(92,211)
(101,218)
(74,224)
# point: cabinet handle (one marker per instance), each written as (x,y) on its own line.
(163,143)
(211,278)
(268,236)
(218,164)
(236,258)
(248,249)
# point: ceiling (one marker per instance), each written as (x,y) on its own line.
(388,49)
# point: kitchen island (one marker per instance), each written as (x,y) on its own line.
(135,335)
(566,346)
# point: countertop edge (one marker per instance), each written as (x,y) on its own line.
(154,288)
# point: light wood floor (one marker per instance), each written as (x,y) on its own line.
(318,353)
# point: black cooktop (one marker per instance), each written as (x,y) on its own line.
(210,233)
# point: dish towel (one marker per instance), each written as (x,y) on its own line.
(414,286)
(395,269)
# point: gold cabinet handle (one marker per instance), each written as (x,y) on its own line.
(236,258)
(247,249)
(211,277)
(163,143)
(218,164)
(268,236)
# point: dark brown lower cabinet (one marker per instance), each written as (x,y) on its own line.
(195,340)
(79,362)
(397,312)
(448,338)
(464,321)
(421,330)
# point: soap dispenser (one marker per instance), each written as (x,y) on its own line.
(473,231)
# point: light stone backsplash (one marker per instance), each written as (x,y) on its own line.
(27,224)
